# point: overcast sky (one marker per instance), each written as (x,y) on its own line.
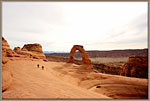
(57,26)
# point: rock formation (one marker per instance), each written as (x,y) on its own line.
(85,57)
(17,49)
(6,74)
(31,51)
(6,50)
(136,66)
(4,43)
(33,48)
(35,51)
(28,50)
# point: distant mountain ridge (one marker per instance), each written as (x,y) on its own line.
(110,53)
(51,52)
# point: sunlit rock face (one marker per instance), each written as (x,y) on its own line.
(6,74)
(32,50)
(6,50)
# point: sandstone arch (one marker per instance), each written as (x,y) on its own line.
(85,57)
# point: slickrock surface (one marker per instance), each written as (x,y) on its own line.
(6,78)
(65,80)
(29,81)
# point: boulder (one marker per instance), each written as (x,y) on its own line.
(17,49)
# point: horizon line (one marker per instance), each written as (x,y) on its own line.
(94,50)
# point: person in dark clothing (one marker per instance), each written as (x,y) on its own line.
(42,67)
(38,65)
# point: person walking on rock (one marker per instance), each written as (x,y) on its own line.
(38,65)
(42,67)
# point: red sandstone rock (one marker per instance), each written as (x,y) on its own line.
(6,79)
(33,51)
(85,57)
(136,66)
(4,60)
(4,42)
(6,50)
(17,49)
(32,47)
(28,51)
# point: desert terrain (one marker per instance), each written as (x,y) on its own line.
(24,78)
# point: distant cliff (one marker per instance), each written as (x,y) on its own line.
(112,53)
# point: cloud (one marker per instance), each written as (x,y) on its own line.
(133,32)
(60,25)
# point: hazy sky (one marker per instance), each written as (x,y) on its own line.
(57,26)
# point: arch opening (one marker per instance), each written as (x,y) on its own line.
(77,55)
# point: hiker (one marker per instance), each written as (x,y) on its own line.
(38,65)
(42,67)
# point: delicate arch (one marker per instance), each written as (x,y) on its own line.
(85,57)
